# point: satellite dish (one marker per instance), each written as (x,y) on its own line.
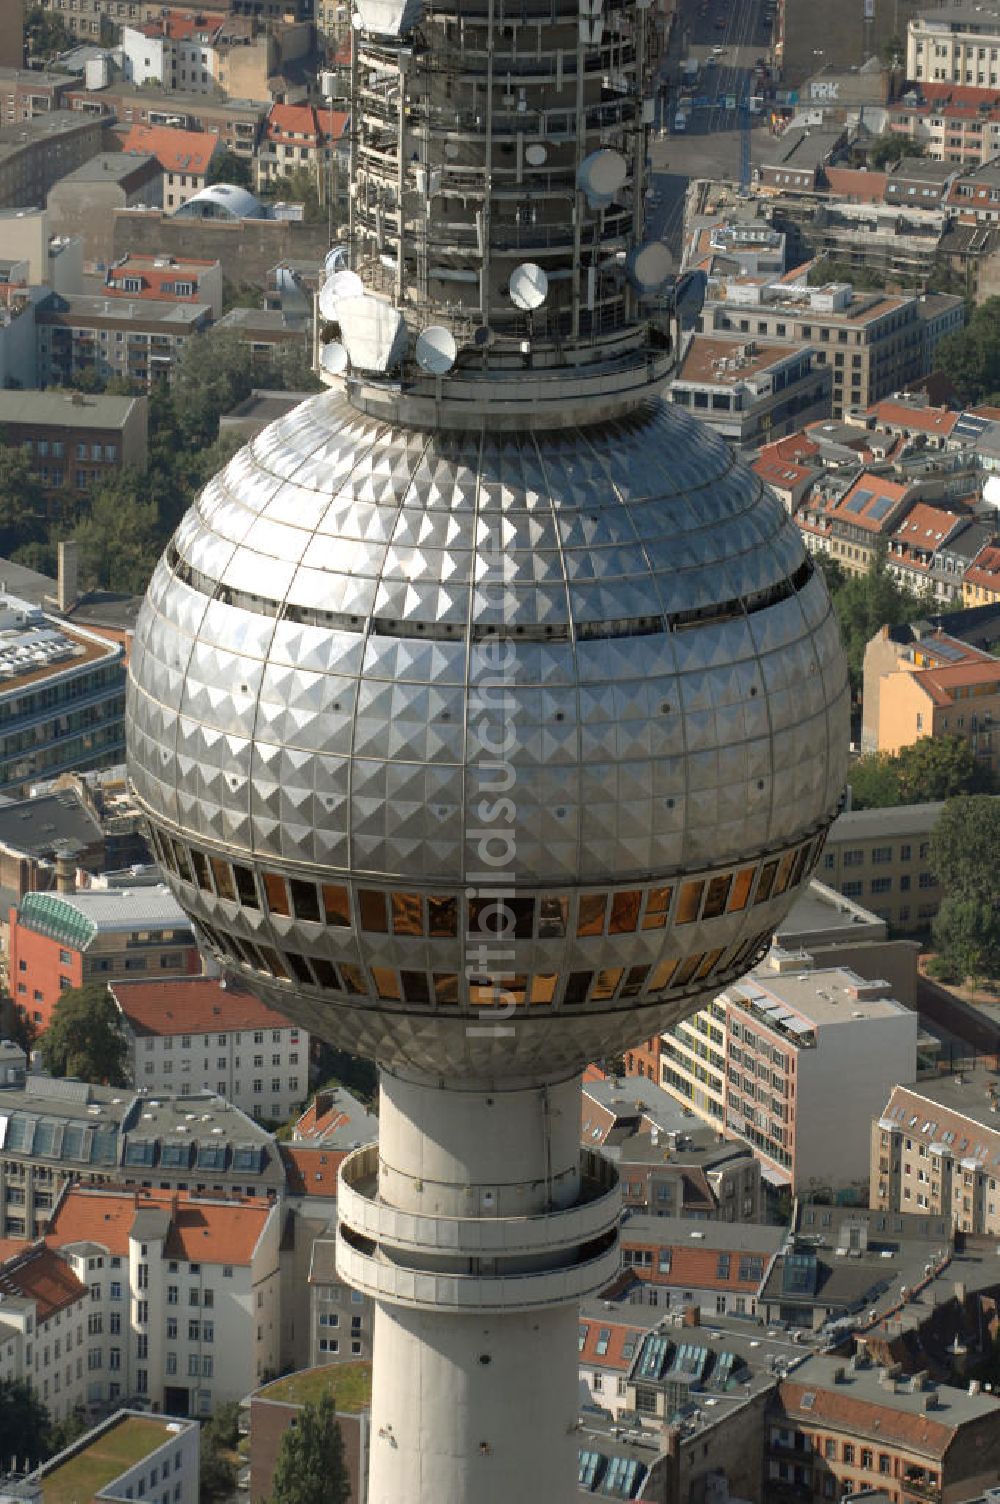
(451,150)
(535,154)
(529,286)
(435,350)
(335,261)
(333,358)
(483,337)
(689,296)
(600,176)
(373,332)
(338,289)
(649,266)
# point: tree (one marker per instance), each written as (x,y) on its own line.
(22,501)
(964,847)
(940,767)
(299,187)
(874,781)
(971,357)
(864,278)
(46,34)
(219,1436)
(227,167)
(84,1037)
(310,1466)
(864,603)
(967,937)
(24,1423)
(119,537)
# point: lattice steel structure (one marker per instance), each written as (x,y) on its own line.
(487,713)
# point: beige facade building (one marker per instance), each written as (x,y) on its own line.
(872,342)
(767,1059)
(35,154)
(936,1148)
(956,43)
(881,858)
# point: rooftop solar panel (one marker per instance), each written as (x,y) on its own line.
(880,507)
(859,500)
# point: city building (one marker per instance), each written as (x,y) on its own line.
(267,331)
(62,697)
(609,1341)
(36,153)
(924,551)
(939,688)
(185,158)
(850,1268)
(839,931)
(186,1289)
(59,940)
(131,1455)
(75,442)
(936,1148)
(237,123)
(669,1163)
(837,1426)
(854,521)
(955,123)
(175,51)
(981,581)
(766,1061)
(165,279)
(881,857)
(272,1410)
(341,872)
(138,339)
(872,341)
(71,1132)
(202,1034)
(956,43)
(750,391)
(341,1319)
(333,1120)
(44,1327)
(26,93)
(716,1267)
(941,314)
(300,136)
(83,202)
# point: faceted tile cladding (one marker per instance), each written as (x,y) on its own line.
(303,691)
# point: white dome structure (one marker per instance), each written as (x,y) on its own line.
(221,201)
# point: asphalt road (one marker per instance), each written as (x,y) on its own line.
(728,37)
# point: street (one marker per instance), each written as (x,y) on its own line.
(727,38)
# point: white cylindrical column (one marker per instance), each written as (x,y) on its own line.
(477,1226)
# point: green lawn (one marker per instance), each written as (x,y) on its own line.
(83,1476)
(349,1383)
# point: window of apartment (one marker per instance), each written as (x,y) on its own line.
(881,855)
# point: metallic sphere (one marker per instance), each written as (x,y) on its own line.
(487,752)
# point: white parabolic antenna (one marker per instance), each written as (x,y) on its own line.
(650,265)
(333,358)
(601,175)
(335,260)
(529,286)
(535,154)
(435,350)
(373,332)
(338,289)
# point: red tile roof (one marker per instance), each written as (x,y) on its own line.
(201,1230)
(311,1170)
(192,1005)
(854,184)
(925,526)
(780,473)
(175,150)
(303,124)
(879,490)
(985,568)
(834,1408)
(693,1267)
(917,419)
(39,1274)
(620,1334)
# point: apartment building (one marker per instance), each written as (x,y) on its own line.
(165,279)
(75,443)
(975,197)
(140,339)
(766,1062)
(131,1455)
(881,858)
(36,153)
(872,342)
(175,51)
(275,1409)
(62,1132)
(956,43)
(957,695)
(83,202)
(300,135)
(45,1322)
(237,123)
(925,554)
(184,1298)
(185,158)
(750,391)
(28,92)
(841,1427)
(204,1034)
(609,1342)
(341,1319)
(716,1267)
(952,122)
(853,522)
(61,940)
(981,581)
(935,1147)
(62,697)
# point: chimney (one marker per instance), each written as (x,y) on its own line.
(691,1316)
(65,871)
(68,576)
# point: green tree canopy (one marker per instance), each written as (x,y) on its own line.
(967,939)
(971,358)
(22,501)
(24,1423)
(863,604)
(85,1038)
(310,1467)
(935,767)
(964,848)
